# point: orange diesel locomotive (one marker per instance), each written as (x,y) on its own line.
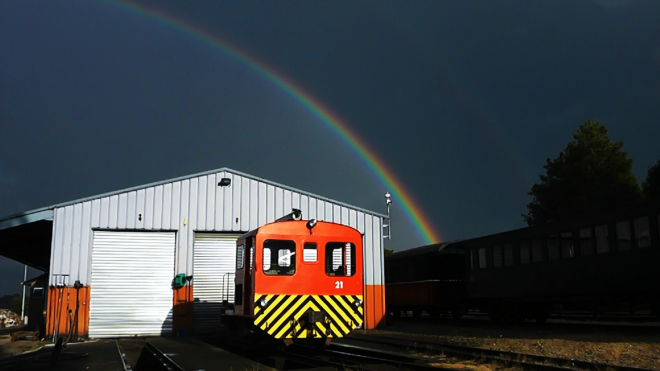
(299,279)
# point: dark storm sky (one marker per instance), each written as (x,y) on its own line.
(462,100)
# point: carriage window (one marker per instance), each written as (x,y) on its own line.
(567,250)
(602,245)
(524,252)
(497,256)
(239,256)
(553,247)
(623,235)
(642,233)
(508,254)
(586,244)
(309,252)
(279,257)
(340,259)
(482,258)
(537,254)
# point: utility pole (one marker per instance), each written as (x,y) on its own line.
(388,226)
(23,301)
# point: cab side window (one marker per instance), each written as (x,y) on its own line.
(279,257)
(340,259)
(239,256)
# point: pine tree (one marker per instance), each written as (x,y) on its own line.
(592,174)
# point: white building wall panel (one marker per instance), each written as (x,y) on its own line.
(196,204)
(304,206)
(67,239)
(148,209)
(76,236)
(219,205)
(261,210)
(85,241)
(279,202)
(210,190)
(253,209)
(235,210)
(295,201)
(139,208)
(175,221)
(311,205)
(227,204)
(244,199)
(112,209)
(158,208)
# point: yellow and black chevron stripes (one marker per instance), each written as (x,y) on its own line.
(308,316)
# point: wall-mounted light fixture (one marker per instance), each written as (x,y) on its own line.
(311,224)
(224,182)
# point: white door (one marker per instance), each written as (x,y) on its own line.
(214,265)
(131,292)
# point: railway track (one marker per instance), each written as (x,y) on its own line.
(335,356)
(576,318)
(345,356)
(504,358)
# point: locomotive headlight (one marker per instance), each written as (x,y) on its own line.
(311,224)
(358,303)
(263,302)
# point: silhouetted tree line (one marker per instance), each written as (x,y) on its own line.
(593,174)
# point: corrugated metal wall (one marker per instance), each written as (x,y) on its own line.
(198,204)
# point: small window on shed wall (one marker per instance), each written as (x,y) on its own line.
(586,242)
(497,256)
(642,232)
(508,255)
(602,244)
(567,250)
(553,247)
(537,253)
(524,252)
(623,235)
(482,258)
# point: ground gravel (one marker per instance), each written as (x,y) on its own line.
(626,344)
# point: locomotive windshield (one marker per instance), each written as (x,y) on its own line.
(340,259)
(279,257)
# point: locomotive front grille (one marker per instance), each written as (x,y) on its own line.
(308,316)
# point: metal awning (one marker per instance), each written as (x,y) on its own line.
(26,238)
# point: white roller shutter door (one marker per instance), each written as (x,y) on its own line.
(214,265)
(131,292)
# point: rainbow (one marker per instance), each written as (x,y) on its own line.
(412,211)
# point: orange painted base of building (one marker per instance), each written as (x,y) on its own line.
(374,305)
(182,316)
(67,313)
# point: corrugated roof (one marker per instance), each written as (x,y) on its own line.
(45,213)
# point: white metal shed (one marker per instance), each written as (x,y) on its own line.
(184,220)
